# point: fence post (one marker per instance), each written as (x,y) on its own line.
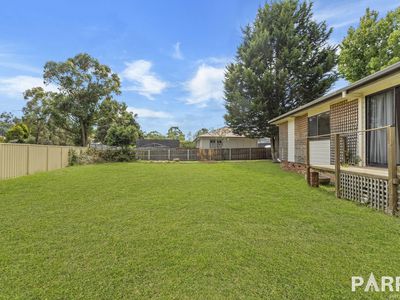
(169,154)
(230,153)
(187,155)
(392,170)
(337,165)
(308,168)
(148,154)
(27,161)
(250,153)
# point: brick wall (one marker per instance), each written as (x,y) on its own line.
(344,118)
(300,138)
(283,141)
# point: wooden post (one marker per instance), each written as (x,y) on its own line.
(188,154)
(392,170)
(230,153)
(337,165)
(169,154)
(148,154)
(250,153)
(308,168)
(314,179)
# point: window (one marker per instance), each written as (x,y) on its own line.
(319,124)
(214,144)
(381,111)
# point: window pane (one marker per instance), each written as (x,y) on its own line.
(312,126)
(324,123)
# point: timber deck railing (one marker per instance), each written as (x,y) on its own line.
(382,192)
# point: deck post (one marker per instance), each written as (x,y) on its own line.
(308,168)
(392,170)
(337,165)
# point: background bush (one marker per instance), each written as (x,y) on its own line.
(92,156)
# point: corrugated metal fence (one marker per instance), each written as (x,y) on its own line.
(203,154)
(23,159)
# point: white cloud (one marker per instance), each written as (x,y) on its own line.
(150,114)
(349,12)
(216,61)
(177,51)
(20,67)
(146,83)
(206,85)
(15,86)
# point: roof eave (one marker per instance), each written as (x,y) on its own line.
(362,82)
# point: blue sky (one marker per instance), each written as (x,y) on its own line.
(170,54)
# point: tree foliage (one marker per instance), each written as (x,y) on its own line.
(200,132)
(284,61)
(120,135)
(38,113)
(154,135)
(17,133)
(175,133)
(372,46)
(83,84)
(7,120)
(111,113)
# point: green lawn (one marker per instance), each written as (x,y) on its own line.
(186,230)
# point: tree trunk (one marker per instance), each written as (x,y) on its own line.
(275,148)
(83,134)
(37,135)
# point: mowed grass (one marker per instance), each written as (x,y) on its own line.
(186,230)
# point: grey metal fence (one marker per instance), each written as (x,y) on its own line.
(203,154)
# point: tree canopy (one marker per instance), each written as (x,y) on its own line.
(112,113)
(175,133)
(18,133)
(83,84)
(372,46)
(154,135)
(7,120)
(285,60)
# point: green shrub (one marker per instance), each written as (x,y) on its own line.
(93,156)
(73,158)
(120,155)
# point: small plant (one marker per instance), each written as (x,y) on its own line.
(73,158)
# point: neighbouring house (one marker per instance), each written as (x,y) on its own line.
(224,138)
(157,143)
(264,143)
(349,132)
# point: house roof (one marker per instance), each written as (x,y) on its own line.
(362,82)
(221,132)
(157,143)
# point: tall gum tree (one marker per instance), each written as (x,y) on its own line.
(83,84)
